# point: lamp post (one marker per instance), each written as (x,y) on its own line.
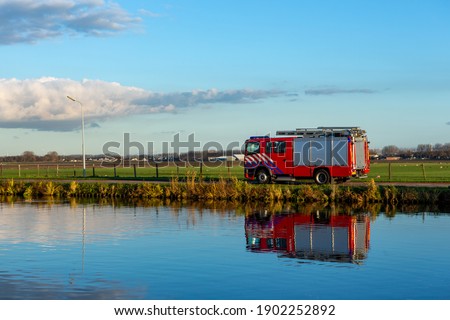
(82,134)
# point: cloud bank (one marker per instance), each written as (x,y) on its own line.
(42,104)
(29,21)
(332,91)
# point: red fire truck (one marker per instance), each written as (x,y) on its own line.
(325,154)
(336,238)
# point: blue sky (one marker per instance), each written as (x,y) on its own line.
(223,70)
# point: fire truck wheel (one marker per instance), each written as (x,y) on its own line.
(263,176)
(322,176)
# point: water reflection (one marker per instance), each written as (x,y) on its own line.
(43,248)
(112,249)
(316,236)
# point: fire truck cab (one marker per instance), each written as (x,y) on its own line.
(325,154)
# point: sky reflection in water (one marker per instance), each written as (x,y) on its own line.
(91,251)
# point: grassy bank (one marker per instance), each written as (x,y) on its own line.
(194,189)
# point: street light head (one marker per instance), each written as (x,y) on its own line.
(69,97)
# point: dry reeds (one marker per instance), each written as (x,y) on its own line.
(232,190)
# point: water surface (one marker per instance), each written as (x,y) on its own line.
(91,251)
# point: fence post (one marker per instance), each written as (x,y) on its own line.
(19,170)
(134,169)
(38,170)
(390,171)
(93,170)
(423,171)
(74,172)
(57,170)
(157,170)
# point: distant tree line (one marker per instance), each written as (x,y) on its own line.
(438,151)
(30,156)
(53,156)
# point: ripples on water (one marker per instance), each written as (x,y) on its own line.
(90,251)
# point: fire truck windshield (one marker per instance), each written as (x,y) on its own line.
(252,147)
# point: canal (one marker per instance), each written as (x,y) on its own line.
(72,250)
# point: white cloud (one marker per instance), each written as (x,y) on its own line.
(332,91)
(42,103)
(150,14)
(29,21)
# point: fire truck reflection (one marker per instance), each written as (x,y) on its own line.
(319,236)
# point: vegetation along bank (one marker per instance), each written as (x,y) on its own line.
(232,190)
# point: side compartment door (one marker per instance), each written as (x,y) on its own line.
(360,153)
(301,163)
(279,156)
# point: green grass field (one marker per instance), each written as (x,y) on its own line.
(410,171)
(380,171)
(64,171)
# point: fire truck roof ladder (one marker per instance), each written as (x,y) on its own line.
(321,131)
